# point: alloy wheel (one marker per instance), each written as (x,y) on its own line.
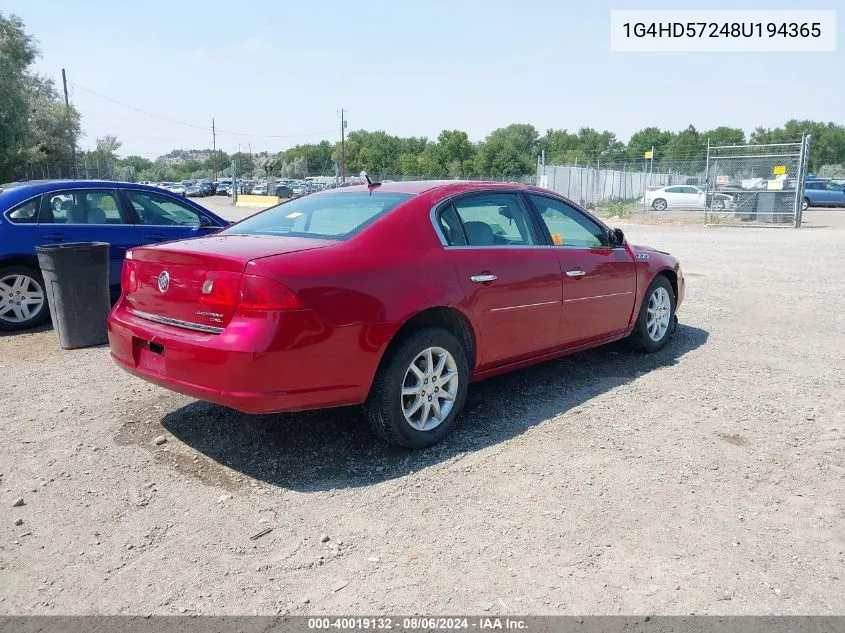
(659,314)
(429,389)
(21,298)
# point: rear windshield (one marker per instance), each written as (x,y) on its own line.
(334,216)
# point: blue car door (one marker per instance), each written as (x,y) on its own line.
(164,218)
(89,215)
(833,195)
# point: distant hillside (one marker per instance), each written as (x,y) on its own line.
(181,156)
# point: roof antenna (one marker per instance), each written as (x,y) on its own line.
(370,183)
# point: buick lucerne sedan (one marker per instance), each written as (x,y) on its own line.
(392,296)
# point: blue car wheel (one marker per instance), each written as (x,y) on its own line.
(23,302)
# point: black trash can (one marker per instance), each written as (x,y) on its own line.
(76,278)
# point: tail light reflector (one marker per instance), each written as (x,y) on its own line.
(129,276)
(260,293)
(246,292)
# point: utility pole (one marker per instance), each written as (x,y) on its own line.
(214,149)
(67,112)
(342,146)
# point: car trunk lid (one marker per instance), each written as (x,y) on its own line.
(194,283)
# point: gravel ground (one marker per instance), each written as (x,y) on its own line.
(706,478)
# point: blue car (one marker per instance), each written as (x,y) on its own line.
(49,212)
(823,193)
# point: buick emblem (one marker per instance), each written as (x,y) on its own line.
(163,281)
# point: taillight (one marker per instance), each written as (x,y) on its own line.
(220,289)
(260,293)
(128,276)
(246,292)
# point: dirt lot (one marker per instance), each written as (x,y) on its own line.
(707,478)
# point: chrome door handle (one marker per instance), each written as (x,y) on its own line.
(575,273)
(480,279)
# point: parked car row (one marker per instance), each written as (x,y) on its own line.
(281,188)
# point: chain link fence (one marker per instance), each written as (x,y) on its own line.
(759,185)
(756,185)
(82,170)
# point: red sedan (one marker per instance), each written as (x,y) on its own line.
(394,296)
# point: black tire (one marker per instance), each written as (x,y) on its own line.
(42,316)
(659,204)
(383,408)
(718,205)
(640,338)
(805,204)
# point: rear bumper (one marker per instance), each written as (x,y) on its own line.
(274,364)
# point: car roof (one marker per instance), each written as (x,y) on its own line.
(415,187)
(20,191)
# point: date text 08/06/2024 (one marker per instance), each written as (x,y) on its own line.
(417,623)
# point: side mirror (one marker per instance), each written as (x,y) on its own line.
(205,222)
(617,237)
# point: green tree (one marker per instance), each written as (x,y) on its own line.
(35,126)
(686,145)
(561,147)
(509,151)
(456,154)
(725,136)
(644,140)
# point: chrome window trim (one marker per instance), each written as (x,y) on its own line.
(197,327)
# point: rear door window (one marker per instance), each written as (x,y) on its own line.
(83,206)
(494,219)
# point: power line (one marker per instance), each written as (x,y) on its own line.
(126,105)
(197,127)
(221,131)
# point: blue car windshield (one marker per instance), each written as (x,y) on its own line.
(336,216)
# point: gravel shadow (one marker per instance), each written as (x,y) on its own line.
(322,450)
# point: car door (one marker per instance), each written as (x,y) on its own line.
(837,194)
(89,215)
(832,194)
(510,278)
(696,196)
(599,281)
(673,196)
(164,218)
(813,192)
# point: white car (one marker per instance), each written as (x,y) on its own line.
(177,188)
(685,197)
(259,190)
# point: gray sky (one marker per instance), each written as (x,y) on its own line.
(274,74)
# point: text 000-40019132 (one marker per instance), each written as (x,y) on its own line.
(723,31)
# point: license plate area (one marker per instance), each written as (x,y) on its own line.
(149,356)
